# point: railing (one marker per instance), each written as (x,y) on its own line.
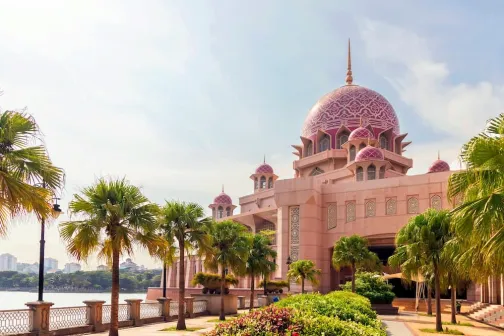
(67,317)
(199,306)
(123,313)
(174,307)
(14,321)
(247,303)
(150,310)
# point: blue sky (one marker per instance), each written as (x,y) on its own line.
(182,96)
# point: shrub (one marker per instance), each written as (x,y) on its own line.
(205,278)
(371,286)
(329,326)
(275,283)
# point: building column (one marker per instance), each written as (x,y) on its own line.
(283,249)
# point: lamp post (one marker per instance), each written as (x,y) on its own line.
(289,262)
(164,273)
(56,212)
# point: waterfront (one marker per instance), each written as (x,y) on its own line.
(17,300)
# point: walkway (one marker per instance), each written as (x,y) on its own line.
(395,328)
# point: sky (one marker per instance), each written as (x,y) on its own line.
(181,97)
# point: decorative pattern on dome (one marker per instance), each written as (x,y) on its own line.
(361,133)
(346,106)
(223,198)
(369,153)
(264,169)
(439,166)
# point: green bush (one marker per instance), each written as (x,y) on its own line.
(329,326)
(371,286)
(205,278)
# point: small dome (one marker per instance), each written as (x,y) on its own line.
(264,169)
(361,133)
(369,153)
(439,166)
(223,198)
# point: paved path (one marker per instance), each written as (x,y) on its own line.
(395,328)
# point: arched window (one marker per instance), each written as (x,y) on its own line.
(325,142)
(309,149)
(360,174)
(228,211)
(383,142)
(413,205)
(350,212)
(220,212)
(352,153)
(256,183)
(270,183)
(436,202)
(263,182)
(343,137)
(371,172)
(361,146)
(382,172)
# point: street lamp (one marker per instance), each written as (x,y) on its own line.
(289,262)
(56,211)
(164,272)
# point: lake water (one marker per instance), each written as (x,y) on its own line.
(17,300)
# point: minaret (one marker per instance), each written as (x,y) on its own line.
(349,78)
(264,178)
(222,206)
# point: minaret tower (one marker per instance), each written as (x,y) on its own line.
(222,206)
(264,178)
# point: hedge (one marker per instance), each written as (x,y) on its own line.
(371,286)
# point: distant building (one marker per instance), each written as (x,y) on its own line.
(50,265)
(8,262)
(102,268)
(28,268)
(128,265)
(72,268)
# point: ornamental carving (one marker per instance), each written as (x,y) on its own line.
(435,202)
(331,216)
(370,208)
(294,253)
(412,205)
(350,212)
(294,215)
(391,206)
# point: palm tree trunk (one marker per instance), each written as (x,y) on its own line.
(302,285)
(439,326)
(252,285)
(222,317)
(114,300)
(181,309)
(353,277)
(429,299)
(454,305)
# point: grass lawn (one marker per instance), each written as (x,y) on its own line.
(228,318)
(188,329)
(462,324)
(445,331)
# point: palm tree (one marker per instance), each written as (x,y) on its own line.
(115,215)
(259,261)
(184,224)
(303,270)
(426,236)
(24,165)
(352,252)
(231,244)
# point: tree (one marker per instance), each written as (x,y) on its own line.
(185,224)
(115,216)
(259,261)
(352,252)
(423,241)
(24,165)
(303,270)
(231,245)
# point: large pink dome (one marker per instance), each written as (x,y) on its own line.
(346,106)
(438,166)
(223,199)
(264,169)
(369,153)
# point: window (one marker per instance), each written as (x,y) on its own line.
(382,172)
(325,142)
(263,182)
(331,216)
(220,212)
(350,212)
(270,183)
(228,211)
(352,153)
(256,183)
(342,139)
(370,208)
(383,142)
(267,226)
(412,205)
(309,149)
(371,172)
(391,206)
(436,202)
(361,146)
(360,174)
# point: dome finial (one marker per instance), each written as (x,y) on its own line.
(349,78)
(264,160)
(223,188)
(438,157)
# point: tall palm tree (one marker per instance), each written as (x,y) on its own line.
(24,165)
(259,261)
(114,215)
(352,252)
(185,225)
(303,270)
(231,246)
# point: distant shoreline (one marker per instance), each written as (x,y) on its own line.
(67,291)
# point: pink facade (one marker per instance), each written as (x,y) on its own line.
(350,178)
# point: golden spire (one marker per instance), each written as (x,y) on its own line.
(223,188)
(349,78)
(264,160)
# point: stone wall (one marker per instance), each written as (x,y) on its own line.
(153,293)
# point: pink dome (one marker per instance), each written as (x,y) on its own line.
(439,166)
(361,133)
(346,106)
(369,153)
(223,198)
(264,169)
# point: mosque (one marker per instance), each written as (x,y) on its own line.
(350,177)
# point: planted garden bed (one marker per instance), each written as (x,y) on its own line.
(212,282)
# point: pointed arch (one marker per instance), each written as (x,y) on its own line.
(228,211)
(220,212)
(371,172)
(270,183)
(359,173)
(324,143)
(316,171)
(263,182)
(352,153)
